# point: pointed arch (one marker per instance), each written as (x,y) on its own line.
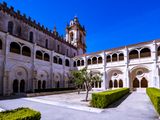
(144,83)
(115,83)
(145,52)
(78,63)
(15,48)
(120,83)
(22,86)
(135,83)
(44,84)
(15,86)
(74,64)
(110,84)
(39,84)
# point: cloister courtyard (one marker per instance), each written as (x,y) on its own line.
(69,106)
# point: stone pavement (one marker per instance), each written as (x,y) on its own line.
(136,106)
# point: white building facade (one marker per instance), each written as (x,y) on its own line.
(33,57)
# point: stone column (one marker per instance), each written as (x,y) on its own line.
(155,69)
(104,77)
(126,71)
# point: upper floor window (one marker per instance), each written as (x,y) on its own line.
(145,52)
(10,27)
(31,36)
(15,48)
(71,36)
(46,45)
(19,31)
(133,54)
(58,48)
(67,52)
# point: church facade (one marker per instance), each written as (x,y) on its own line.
(34,57)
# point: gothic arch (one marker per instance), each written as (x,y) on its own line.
(110,84)
(78,62)
(120,83)
(67,62)
(144,83)
(82,62)
(115,83)
(136,83)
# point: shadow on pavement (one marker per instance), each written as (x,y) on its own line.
(117,103)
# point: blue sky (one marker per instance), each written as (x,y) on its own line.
(109,23)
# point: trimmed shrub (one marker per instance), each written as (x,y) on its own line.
(20,114)
(53,89)
(103,99)
(154,95)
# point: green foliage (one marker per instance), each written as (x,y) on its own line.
(154,95)
(103,99)
(20,114)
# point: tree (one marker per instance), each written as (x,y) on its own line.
(86,78)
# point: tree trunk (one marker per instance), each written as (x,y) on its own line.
(78,90)
(87,91)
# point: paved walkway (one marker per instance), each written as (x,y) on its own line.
(136,106)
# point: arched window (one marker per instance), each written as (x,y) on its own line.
(26,51)
(135,83)
(15,86)
(144,83)
(78,62)
(10,27)
(108,59)
(133,54)
(94,60)
(82,62)
(145,52)
(22,86)
(60,61)
(158,51)
(89,61)
(74,63)
(110,84)
(55,60)
(71,36)
(67,62)
(0,44)
(39,55)
(120,83)
(46,57)
(44,84)
(19,31)
(114,57)
(121,56)
(15,48)
(115,84)
(31,36)
(100,60)
(39,84)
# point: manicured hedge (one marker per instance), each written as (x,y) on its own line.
(53,89)
(20,114)
(154,95)
(103,99)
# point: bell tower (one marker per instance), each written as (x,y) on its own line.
(76,35)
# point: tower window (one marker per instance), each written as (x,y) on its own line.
(71,36)
(19,31)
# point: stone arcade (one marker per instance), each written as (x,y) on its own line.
(34,57)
